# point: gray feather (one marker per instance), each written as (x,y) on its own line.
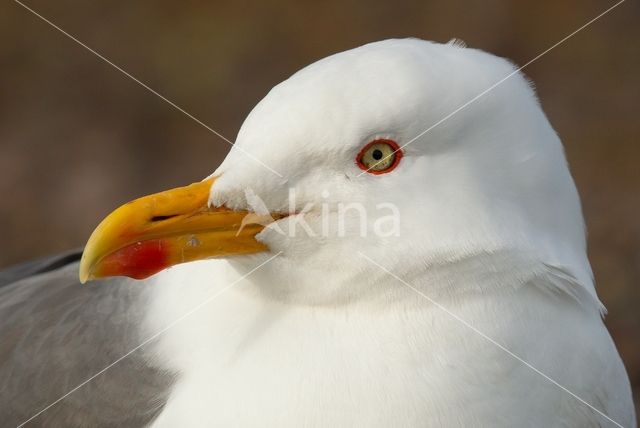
(34,267)
(55,333)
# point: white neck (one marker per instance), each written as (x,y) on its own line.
(247,360)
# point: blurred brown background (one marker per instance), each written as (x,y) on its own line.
(77,137)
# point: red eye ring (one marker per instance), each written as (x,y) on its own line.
(396,152)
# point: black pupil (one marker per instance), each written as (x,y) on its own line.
(377,154)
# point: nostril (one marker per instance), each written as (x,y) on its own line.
(157,218)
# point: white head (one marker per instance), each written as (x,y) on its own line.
(491,177)
(487,180)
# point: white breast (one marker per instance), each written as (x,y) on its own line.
(244,361)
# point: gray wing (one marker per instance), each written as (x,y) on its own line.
(56,333)
(34,267)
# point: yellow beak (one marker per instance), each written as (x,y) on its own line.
(154,232)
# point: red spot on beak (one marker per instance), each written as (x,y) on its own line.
(139,260)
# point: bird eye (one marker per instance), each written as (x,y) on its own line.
(379,156)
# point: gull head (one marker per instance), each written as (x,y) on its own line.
(404,156)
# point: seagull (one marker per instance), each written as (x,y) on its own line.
(388,243)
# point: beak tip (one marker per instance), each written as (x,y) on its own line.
(84,273)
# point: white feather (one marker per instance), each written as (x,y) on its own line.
(491,228)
